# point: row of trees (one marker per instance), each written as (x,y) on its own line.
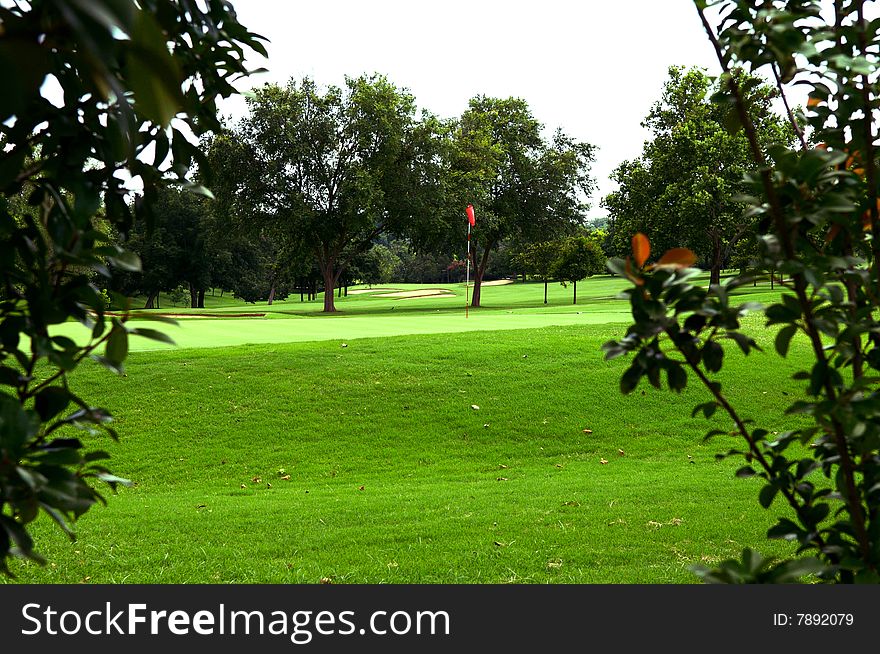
(188,251)
(316,177)
(316,188)
(565,260)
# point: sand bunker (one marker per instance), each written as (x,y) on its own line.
(497,282)
(422,292)
(147,313)
(357,291)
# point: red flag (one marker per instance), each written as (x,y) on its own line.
(470,214)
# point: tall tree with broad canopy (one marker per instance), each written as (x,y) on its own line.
(126,69)
(683,189)
(333,170)
(523,187)
(266,254)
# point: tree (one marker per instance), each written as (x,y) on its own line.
(176,248)
(579,257)
(126,69)
(522,186)
(159,254)
(818,214)
(265,257)
(334,170)
(375,266)
(690,173)
(539,259)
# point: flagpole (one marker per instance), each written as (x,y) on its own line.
(467,282)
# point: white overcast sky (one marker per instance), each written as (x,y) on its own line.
(590,67)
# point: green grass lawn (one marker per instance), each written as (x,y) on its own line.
(366,314)
(394,476)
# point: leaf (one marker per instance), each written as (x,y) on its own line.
(791,571)
(117,346)
(58,517)
(21,538)
(677,377)
(198,189)
(60,456)
(783,339)
(153,73)
(630,379)
(641,248)
(713,356)
(127,261)
(818,377)
(113,479)
(111,14)
(767,494)
(24,64)
(617,266)
(152,334)
(708,409)
(51,401)
(785,529)
(677,258)
(732,121)
(156,318)
(107,363)
(745,343)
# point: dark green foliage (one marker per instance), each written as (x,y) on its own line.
(684,189)
(62,202)
(566,260)
(755,569)
(328,171)
(817,211)
(524,187)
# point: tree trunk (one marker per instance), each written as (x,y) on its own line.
(575,301)
(193,297)
(478,274)
(715,269)
(328,270)
(201,298)
(152,297)
(272,294)
(545,291)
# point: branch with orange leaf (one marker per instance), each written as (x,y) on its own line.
(678,329)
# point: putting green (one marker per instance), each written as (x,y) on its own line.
(221,332)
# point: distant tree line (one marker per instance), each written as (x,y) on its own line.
(318,188)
